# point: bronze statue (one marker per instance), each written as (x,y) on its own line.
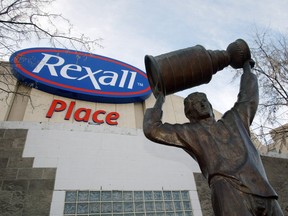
(223,149)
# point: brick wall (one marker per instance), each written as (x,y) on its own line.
(277,173)
(24,190)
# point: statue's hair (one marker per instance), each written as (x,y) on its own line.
(194,95)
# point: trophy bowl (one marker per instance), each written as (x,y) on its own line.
(239,53)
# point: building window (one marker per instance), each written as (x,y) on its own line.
(127,203)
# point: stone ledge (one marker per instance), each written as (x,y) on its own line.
(16,162)
(2,132)
(40,185)
(11,153)
(15,133)
(4,162)
(10,143)
(30,173)
(15,185)
(49,173)
(36,173)
(8,174)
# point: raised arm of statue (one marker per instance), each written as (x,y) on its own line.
(159,101)
(248,97)
(156,131)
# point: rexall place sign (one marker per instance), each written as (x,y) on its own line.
(80,75)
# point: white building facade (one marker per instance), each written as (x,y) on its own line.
(107,167)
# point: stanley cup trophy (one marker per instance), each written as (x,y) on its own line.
(186,68)
(223,148)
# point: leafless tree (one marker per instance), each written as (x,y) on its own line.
(30,20)
(23,20)
(270,53)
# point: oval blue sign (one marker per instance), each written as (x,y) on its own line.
(80,75)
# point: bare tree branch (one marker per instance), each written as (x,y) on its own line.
(24,20)
(271,56)
(30,20)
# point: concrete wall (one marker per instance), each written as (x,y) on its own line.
(47,159)
(24,190)
(94,157)
(107,158)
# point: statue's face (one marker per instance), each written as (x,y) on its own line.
(197,107)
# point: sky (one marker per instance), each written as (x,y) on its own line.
(131,29)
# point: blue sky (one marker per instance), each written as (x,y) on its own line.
(133,28)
